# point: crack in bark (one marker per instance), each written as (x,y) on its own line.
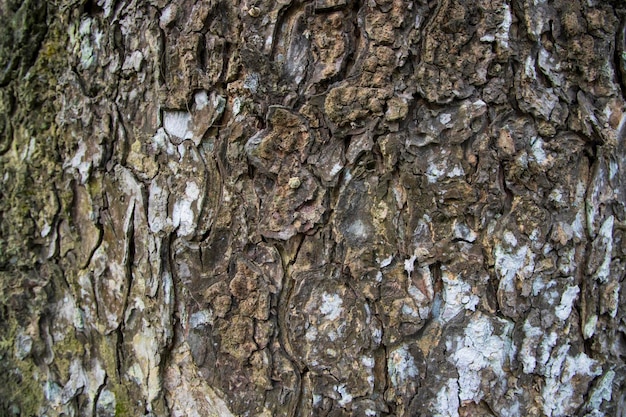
(283,310)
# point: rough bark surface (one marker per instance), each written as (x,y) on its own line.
(298,208)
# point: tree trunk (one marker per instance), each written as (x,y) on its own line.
(312,208)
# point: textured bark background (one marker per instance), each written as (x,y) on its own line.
(297,208)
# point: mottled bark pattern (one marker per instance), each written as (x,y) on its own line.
(313,208)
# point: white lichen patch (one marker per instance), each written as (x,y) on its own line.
(106,402)
(335,169)
(509,238)
(76,382)
(368,363)
(567,377)
(593,199)
(331,306)
(201,99)
(112,285)
(480,350)
(529,67)
(377,335)
(550,66)
(95,376)
(23,345)
(401,366)
(456,171)
(188,394)
(528,350)
(462,231)
(87,53)
(358,229)
(201,318)
(512,262)
(52,393)
(168,15)
(457,296)
(311,333)
(176,123)
(146,348)
(539,286)
(407,310)
(556,197)
(477,107)
(161,142)
(538,153)
(409,265)
(502,33)
(601,392)
(447,402)
(133,61)
(157,207)
(183,213)
(424,294)
(433,173)
(564,309)
(251,82)
(135,373)
(548,342)
(589,328)
(28,150)
(605,241)
(443,168)
(386,262)
(238,103)
(83,160)
(346,397)
(66,311)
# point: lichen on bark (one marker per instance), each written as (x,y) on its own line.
(330,207)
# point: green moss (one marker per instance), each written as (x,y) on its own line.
(35,55)
(64,352)
(34,133)
(106,351)
(19,386)
(29,393)
(121,405)
(7,339)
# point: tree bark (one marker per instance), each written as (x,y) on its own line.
(312,208)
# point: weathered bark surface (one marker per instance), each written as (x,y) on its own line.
(297,208)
